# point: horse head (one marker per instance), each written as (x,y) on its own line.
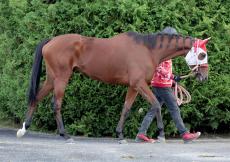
(197,59)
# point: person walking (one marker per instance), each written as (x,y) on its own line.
(162,88)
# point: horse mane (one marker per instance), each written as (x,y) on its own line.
(150,40)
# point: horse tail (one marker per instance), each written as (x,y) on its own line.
(36,72)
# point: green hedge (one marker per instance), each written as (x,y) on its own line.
(90,107)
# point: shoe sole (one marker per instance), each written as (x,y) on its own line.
(160,140)
(137,140)
(192,140)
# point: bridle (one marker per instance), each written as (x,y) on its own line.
(181,94)
(192,56)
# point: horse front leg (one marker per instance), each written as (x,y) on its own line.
(129,99)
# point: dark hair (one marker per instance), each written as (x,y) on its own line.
(169,30)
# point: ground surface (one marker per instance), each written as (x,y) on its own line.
(38,147)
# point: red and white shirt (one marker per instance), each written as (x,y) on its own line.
(163,75)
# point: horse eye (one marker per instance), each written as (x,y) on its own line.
(201,56)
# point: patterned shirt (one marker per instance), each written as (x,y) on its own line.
(163,75)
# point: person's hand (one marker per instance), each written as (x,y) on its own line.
(177,78)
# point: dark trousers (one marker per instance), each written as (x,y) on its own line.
(164,95)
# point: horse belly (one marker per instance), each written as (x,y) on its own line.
(109,60)
(106,69)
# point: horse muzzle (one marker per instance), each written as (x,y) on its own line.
(201,77)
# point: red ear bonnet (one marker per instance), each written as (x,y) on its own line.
(201,44)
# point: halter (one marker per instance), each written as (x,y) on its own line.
(181,94)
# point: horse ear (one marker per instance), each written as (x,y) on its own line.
(205,41)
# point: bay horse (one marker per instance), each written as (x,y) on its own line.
(128,59)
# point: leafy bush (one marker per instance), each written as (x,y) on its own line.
(92,108)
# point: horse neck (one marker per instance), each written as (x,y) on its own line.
(179,46)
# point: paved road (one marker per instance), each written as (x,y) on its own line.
(38,147)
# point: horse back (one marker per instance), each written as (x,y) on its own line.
(110,60)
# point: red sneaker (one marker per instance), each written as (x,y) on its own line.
(144,138)
(190,136)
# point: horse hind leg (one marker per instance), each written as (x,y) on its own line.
(59,90)
(44,91)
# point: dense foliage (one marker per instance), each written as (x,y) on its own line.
(91,107)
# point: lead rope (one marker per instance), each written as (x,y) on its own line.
(181,94)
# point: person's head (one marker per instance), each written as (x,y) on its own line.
(169,30)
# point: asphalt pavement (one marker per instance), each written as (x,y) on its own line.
(40,147)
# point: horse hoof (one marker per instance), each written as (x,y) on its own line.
(21,132)
(122,141)
(65,136)
(70,141)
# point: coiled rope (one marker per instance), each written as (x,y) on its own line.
(181,94)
